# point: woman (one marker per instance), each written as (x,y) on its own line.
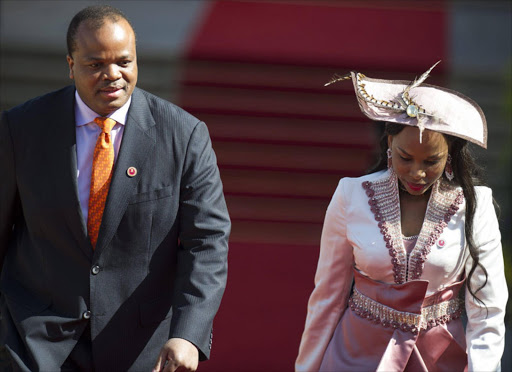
(403,246)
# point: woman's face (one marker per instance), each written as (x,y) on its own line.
(418,165)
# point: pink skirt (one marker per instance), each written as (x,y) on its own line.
(394,327)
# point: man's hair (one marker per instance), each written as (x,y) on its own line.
(95,17)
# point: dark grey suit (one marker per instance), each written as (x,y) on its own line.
(160,265)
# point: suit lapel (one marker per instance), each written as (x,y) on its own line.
(65,163)
(138,141)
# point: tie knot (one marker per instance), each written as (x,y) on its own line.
(106,124)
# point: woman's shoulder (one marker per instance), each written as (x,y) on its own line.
(352,188)
(484,199)
(483,192)
(358,181)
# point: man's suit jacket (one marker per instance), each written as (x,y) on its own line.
(160,265)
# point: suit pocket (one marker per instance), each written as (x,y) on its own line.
(151,195)
(154,312)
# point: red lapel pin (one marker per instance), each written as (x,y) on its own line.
(131,172)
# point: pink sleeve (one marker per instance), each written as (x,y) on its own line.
(485,331)
(333,281)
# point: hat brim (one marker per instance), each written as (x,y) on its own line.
(449,112)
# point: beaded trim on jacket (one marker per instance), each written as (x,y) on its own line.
(384,202)
(430,316)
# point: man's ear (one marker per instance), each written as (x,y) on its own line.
(71,64)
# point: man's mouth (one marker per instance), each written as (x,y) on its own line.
(111,92)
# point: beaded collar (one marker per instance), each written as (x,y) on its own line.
(384,202)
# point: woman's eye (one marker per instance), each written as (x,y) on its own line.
(431,162)
(404,159)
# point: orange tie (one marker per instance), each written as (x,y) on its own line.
(102,165)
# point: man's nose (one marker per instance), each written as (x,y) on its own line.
(112,72)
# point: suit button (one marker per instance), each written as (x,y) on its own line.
(86,314)
(95,269)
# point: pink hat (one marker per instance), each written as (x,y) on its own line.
(426,106)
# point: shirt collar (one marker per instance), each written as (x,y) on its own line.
(84,115)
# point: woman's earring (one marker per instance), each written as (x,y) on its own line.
(448,170)
(390,164)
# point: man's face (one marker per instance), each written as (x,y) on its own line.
(104,65)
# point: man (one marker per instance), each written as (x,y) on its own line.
(113,232)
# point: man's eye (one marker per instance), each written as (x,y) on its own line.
(124,63)
(94,65)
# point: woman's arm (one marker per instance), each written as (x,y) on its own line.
(333,280)
(485,332)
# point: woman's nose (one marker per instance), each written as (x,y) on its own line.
(417,172)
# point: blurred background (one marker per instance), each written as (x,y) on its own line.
(254,72)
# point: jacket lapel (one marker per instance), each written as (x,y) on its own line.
(138,141)
(65,162)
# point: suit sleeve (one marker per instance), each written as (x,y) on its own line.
(202,256)
(485,332)
(333,281)
(8,188)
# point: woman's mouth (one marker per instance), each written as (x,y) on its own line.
(415,186)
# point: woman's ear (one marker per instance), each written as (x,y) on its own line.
(390,141)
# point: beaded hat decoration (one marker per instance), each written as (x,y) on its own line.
(422,105)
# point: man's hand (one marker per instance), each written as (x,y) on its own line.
(177,353)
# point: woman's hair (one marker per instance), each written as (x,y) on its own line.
(467,175)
